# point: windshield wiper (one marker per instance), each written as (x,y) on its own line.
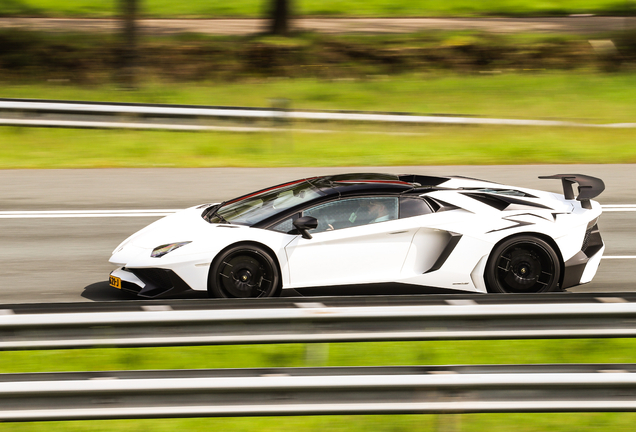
(216,213)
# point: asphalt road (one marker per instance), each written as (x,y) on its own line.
(66,259)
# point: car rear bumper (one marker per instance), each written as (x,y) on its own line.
(582,267)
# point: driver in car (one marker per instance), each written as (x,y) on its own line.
(378,212)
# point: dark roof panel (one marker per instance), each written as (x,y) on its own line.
(423,181)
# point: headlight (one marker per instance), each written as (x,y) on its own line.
(162,250)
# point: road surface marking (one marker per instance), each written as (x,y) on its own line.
(620,257)
(85,213)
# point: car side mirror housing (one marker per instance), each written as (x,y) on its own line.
(305,223)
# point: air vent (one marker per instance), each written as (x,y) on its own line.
(502,202)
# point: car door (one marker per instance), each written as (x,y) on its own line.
(352,244)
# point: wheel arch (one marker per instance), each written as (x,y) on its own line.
(546,238)
(263,246)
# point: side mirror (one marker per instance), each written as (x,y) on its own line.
(305,223)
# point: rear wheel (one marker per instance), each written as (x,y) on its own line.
(244,271)
(523,264)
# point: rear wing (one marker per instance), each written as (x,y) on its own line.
(589,187)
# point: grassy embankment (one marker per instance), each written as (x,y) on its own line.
(371,8)
(584,97)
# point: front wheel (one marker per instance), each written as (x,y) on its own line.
(244,271)
(523,264)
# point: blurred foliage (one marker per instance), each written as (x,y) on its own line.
(91,58)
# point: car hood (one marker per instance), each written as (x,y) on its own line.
(184,225)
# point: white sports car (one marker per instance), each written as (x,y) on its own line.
(371,234)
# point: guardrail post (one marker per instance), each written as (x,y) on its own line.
(448,423)
(280,107)
(316,354)
(281,137)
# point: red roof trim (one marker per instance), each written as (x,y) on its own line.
(267,190)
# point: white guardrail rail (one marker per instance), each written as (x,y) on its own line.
(301,321)
(316,391)
(57,113)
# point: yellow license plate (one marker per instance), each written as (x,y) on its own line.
(115,282)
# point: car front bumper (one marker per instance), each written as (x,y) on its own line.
(148,282)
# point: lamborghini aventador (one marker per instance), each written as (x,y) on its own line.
(371,233)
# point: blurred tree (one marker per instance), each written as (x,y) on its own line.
(280,15)
(128,51)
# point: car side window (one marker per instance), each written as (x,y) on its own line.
(353,212)
(345,213)
(413,206)
(287,225)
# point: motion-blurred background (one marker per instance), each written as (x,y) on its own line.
(568,60)
(500,83)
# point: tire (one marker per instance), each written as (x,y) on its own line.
(523,264)
(244,271)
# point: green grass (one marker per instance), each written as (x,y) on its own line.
(373,8)
(589,98)
(579,422)
(337,354)
(435,145)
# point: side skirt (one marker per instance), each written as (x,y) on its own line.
(385,288)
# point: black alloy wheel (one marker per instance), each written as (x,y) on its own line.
(523,264)
(244,271)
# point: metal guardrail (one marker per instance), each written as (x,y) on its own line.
(102,115)
(317,391)
(293,321)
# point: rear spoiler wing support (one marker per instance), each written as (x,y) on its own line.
(589,187)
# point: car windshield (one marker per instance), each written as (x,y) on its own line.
(255,208)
